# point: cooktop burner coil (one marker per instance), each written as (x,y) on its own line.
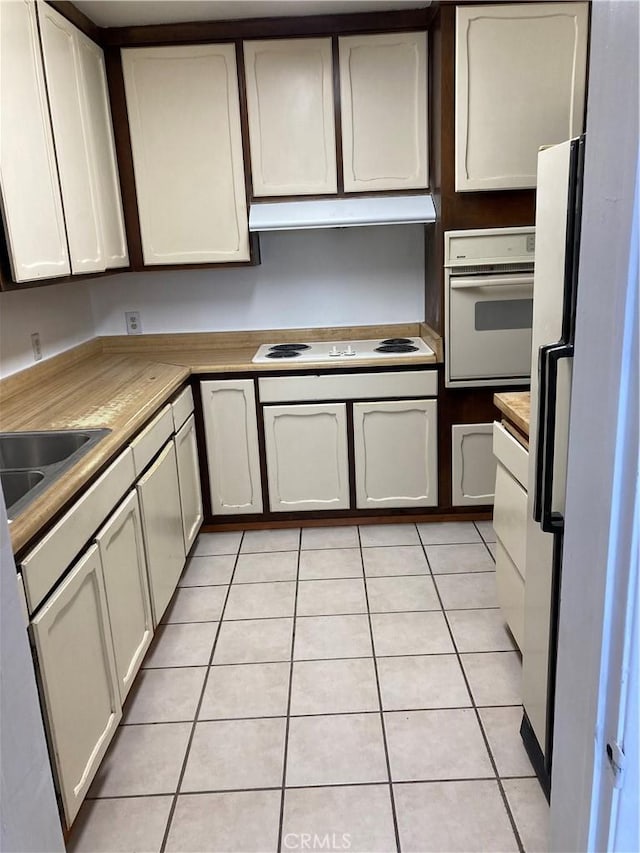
(396,348)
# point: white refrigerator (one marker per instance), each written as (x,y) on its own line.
(558,214)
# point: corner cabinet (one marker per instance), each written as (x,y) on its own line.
(186,140)
(290,108)
(528,64)
(383,92)
(231,437)
(78,98)
(396,453)
(31,199)
(307,462)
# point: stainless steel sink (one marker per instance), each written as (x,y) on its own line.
(16,484)
(31,461)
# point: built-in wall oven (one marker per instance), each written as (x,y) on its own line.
(488,306)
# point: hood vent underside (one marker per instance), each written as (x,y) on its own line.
(341,212)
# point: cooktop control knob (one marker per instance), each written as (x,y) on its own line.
(349,350)
(334,350)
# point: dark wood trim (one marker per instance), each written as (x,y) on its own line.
(338,518)
(351,455)
(244,123)
(264,28)
(337,115)
(78,19)
(262,446)
(203,461)
(124,155)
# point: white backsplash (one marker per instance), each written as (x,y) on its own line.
(61,313)
(334,277)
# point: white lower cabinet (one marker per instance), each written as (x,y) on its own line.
(189,482)
(510,525)
(307,462)
(159,495)
(473,465)
(231,437)
(127,589)
(78,678)
(396,453)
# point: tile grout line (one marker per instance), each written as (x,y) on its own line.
(485,739)
(197,711)
(288,717)
(382,724)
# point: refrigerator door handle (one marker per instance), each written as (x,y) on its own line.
(550,356)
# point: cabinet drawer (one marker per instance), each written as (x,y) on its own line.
(510,516)
(150,440)
(46,563)
(182,407)
(511,454)
(510,593)
(348,386)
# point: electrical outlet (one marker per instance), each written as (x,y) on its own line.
(37,349)
(132,319)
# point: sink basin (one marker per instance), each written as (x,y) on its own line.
(31,461)
(34,449)
(16,484)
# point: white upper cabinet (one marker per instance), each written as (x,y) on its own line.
(31,200)
(291,116)
(82,129)
(383,91)
(520,84)
(103,153)
(184,120)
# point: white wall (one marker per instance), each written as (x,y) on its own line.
(334,277)
(61,313)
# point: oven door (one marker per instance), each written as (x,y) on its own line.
(490,318)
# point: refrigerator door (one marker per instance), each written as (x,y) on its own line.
(550,397)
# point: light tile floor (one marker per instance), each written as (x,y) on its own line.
(331,689)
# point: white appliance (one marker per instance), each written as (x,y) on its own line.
(488,306)
(559,201)
(341,351)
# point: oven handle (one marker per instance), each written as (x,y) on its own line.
(492,281)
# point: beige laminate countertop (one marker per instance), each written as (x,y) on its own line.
(119,383)
(516,407)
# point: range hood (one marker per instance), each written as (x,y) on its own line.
(341,212)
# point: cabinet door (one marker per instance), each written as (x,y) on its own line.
(231,435)
(473,465)
(396,453)
(383,91)
(95,104)
(291,122)
(159,495)
(31,200)
(184,118)
(520,84)
(189,480)
(78,678)
(127,588)
(73,141)
(307,464)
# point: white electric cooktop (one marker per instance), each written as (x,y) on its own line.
(344,351)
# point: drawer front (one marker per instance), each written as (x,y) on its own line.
(182,407)
(47,562)
(510,593)
(510,517)
(511,454)
(348,386)
(148,443)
